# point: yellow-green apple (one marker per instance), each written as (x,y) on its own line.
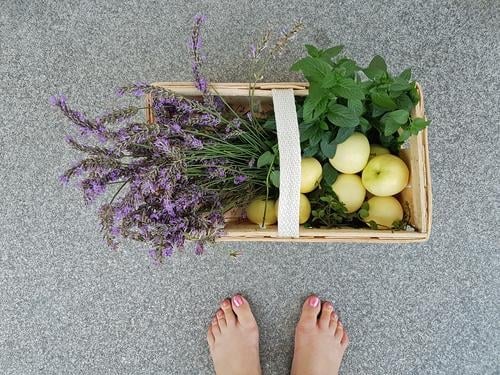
(352,154)
(385,175)
(256,208)
(376,150)
(311,173)
(350,191)
(384,211)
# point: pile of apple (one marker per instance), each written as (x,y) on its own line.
(366,173)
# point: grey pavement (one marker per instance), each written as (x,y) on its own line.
(68,305)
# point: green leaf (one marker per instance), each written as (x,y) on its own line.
(310,151)
(342,116)
(399,85)
(316,137)
(404,102)
(390,126)
(383,100)
(356,106)
(328,148)
(363,213)
(405,75)
(347,88)
(414,95)
(329,174)
(418,124)
(323,125)
(346,67)
(315,103)
(405,134)
(270,124)
(330,80)
(343,134)
(312,51)
(364,125)
(376,69)
(399,116)
(313,68)
(306,130)
(265,159)
(330,53)
(377,111)
(275,178)
(372,224)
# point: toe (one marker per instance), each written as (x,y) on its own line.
(339,332)
(215,327)
(228,312)
(242,309)
(210,336)
(324,316)
(345,340)
(310,311)
(221,319)
(334,319)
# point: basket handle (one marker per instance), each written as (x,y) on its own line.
(287,127)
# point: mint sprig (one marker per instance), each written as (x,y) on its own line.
(344,98)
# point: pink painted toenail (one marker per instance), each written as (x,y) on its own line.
(313,301)
(225,303)
(238,301)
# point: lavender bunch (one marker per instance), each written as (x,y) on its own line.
(171,180)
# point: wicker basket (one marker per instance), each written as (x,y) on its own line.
(417,194)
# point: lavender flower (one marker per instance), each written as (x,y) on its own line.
(238,180)
(196,46)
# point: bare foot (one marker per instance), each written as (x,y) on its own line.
(233,339)
(320,342)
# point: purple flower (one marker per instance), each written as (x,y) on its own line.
(122,212)
(64,180)
(239,179)
(167,251)
(201,84)
(253,52)
(175,128)
(207,119)
(162,145)
(139,89)
(92,189)
(115,231)
(199,248)
(119,92)
(200,18)
(58,100)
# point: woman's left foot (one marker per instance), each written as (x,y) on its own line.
(233,339)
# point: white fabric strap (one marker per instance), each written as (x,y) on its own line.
(287,127)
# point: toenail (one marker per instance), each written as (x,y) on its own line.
(313,301)
(214,321)
(225,303)
(220,314)
(238,301)
(329,306)
(340,324)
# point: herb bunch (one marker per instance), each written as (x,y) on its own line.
(344,98)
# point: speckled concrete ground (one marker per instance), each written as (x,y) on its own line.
(70,306)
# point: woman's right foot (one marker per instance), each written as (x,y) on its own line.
(320,342)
